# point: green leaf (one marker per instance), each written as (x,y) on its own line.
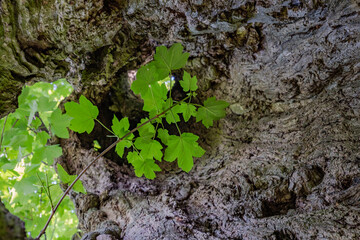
(189,83)
(63,175)
(170,59)
(78,186)
(26,186)
(120,128)
(46,154)
(120,147)
(183,148)
(32,169)
(61,89)
(146,167)
(59,123)
(3,161)
(145,76)
(96,145)
(68,179)
(9,167)
(83,115)
(149,148)
(163,135)
(15,138)
(36,123)
(33,106)
(172,115)
(146,130)
(10,120)
(154,98)
(212,110)
(187,110)
(42,137)
(46,104)
(133,157)
(25,96)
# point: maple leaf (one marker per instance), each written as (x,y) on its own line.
(120,128)
(146,130)
(172,115)
(59,123)
(189,83)
(42,137)
(46,154)
(83,115)
(46,104)
(145,76)
(154,98)
(212,110)
(163,135)
(187,110)
(170,59)
(149,148)
(183,148)
(142,166)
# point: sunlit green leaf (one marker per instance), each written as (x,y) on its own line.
(189,83)
(46,154)
(83,114)
(26,185)
(183,148)
(145,76)
(170,59)
(59,123)
(163,135)
(155,97)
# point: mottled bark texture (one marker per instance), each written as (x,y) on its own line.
(11,227)
(283,164)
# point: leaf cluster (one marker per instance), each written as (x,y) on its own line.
(152,143)
(28,183)
(27,157)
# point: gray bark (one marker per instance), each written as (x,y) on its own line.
(283,164)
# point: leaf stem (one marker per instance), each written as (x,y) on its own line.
(104,126)
(172,114)
(170,85)
(157,125)
(137,150)
(198,105)
(94,160)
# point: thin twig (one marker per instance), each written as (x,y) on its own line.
(48,190)
(3,130)
(93,161)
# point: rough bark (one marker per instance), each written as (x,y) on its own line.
(11,227)
(283,164)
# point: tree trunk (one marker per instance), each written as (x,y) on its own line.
(283,164)
(11,227)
